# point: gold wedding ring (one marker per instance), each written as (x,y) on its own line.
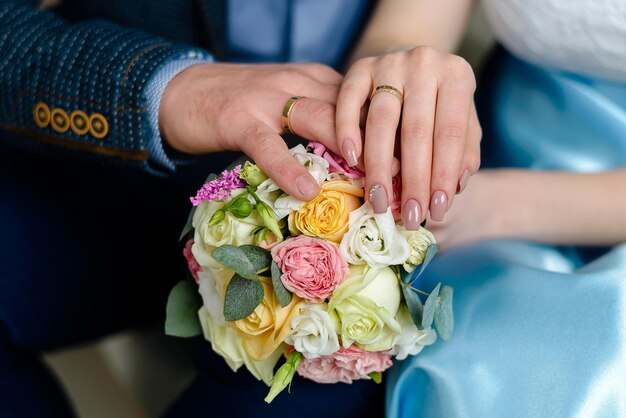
(284,120)
(386,88)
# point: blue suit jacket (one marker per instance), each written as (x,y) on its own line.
(76,78)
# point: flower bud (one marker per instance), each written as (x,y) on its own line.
(252,174)
(217,217)
(267,215)
(284,375)
(241,208)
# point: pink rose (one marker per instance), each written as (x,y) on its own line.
(336,163)
(396,203)
(345,365)
(312,267)
(194,266)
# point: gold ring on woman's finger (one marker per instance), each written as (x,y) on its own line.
(284,120)
(386,88)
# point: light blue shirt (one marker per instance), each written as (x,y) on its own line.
(272,31)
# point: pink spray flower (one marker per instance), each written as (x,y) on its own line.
(345,365)
(396,203)
(336,163)
(194,266)
(220,188)
(312,267)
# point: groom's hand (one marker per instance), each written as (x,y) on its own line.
(216,107)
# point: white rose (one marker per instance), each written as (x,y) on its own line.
(212,288)
(411,340)
(314,331)
(231,230)
(283,204)
(373,239)
(419,241)
(228,343)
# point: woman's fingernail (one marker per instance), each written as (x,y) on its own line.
(438,206)
(463,181)
(411,215)
(349,153)
(307,186)
(378,198)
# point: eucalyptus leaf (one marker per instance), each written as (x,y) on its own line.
(444,315)
(239,161)
(430,307)
(415,274)
(242,297)
(182,310)
(235,259)
(414,303)
(259,257)
(284,296)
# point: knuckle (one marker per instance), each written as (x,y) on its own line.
(321,111)
(425,54)
(473,162)
(416,129)
(363,63)
(452,132)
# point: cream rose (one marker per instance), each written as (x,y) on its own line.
(373,239)
(366,304)
(411,340)
(418,241)
(226,342)
(231,230)
(314,331)
(265,329)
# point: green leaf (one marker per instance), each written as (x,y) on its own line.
(414,303)
(284,375)
(269,219)
(284,296)
(242,296)
(239,161)
(415,274)
(431,305)
(188,225)
(444,316)
(235,259)
(259,257)
(182,310)
(377,377)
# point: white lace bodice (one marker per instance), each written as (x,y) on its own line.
(584,36)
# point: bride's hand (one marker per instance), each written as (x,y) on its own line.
(439,141)
(476,214)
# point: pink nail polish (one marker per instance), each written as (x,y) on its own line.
(438,206)
(411,215)
(349,153)
(378,198)
(463,181)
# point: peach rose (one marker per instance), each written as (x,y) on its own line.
(265,329)
(327,215)
(312,268)
(345,365)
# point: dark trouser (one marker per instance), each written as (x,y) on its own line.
(87,250)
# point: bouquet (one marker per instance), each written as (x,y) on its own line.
(327,285)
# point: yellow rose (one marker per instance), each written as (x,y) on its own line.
(228,343)
(327,215)
(265,329)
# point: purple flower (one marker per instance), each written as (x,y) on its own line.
(220,188)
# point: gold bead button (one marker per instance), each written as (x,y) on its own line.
(42,115)
(59,120)
(98,126)
(79,122)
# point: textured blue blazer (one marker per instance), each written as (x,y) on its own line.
(76,78)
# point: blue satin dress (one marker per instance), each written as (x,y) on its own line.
(540,330)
